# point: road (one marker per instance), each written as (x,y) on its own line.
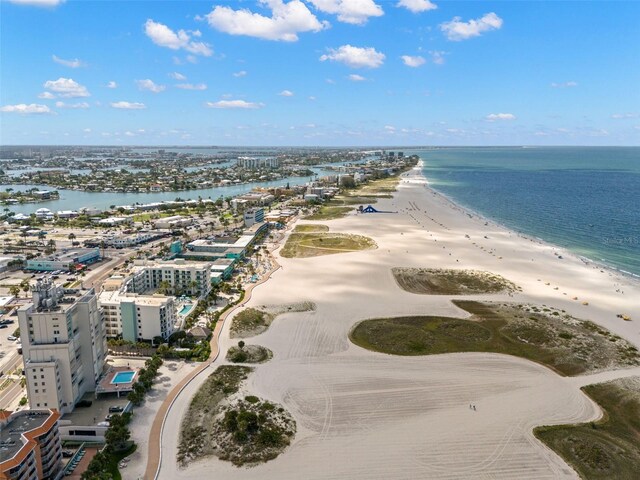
(11,394)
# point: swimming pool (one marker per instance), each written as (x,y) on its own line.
(123,377)
(185,309)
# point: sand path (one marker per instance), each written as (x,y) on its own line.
(367,415)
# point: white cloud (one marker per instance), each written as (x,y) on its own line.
(38,3)
(355,57)
(241,73)
(356,78)
(619,116)
(191,86)
(312,98)
(390,128)
(149,85)
(413,62)
(128,105)
(47,95)
(25,109)
(67,88)
(234,104)
(178,76)
(87,130)
(81,105)
(330,81)
(112,84)
(75,63)
(163,36)
(437,56)
(492,117)
(457,30)
(286,93)
(564,84)
(417,6)
(285,22)
(356,12)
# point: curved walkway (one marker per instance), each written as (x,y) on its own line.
(154,454)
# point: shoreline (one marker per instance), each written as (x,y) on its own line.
(541,241)
(328,383)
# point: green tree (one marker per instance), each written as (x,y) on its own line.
(14,290)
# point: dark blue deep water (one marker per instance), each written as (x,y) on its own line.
(586,199)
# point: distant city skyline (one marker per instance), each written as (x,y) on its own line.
(319,73)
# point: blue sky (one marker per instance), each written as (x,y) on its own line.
(319,72)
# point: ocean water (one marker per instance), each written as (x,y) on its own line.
(586,199)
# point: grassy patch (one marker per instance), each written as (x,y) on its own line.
(606,449)
(254,321)
(563,343)
(311,228)
(250,322)
(253,431)
(249,354)
(313,244)
(245,430)
(196,432)
(450,282)
(381,186)
(329,212)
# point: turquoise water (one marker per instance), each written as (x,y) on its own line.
(185,309)
(123,377)
(586,199)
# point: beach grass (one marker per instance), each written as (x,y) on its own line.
(313,244)
(433,281)
(311,228)
(329,212)
(565,344)
(253,321)
(249,354)
(250,322)
(610,447)
(245,430)
(196,431)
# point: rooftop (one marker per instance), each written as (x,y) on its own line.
(117,297)
(11,433)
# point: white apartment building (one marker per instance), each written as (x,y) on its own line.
(176,221)
(178,276)
(251,163)
(137,317)
(63,345)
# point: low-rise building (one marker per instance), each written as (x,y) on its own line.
(30,445)
(68,260)
(225,247)
(113,221)
(175,221)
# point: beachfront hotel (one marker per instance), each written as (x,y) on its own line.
(30,447)
(137,317)
(63,345)
(179,276)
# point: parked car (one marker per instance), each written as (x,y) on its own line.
(11,338)
(116,409)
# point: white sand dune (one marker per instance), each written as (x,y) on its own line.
(367,415)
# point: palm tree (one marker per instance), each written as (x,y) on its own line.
(72,236)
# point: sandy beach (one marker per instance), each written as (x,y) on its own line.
(368,415)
